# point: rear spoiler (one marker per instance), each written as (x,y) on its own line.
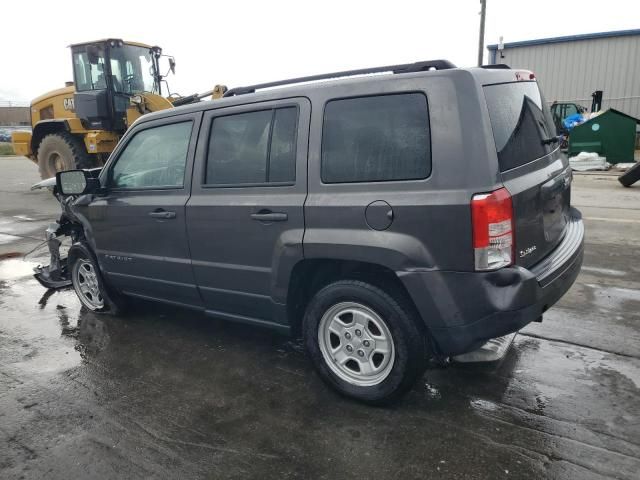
(497,66)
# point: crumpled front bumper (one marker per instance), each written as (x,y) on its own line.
(56,274)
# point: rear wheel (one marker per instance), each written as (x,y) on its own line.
(62,151)
(356,344)
(364,342)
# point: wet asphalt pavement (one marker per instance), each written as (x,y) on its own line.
(166,393)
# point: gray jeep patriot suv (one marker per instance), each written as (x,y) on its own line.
(387,218)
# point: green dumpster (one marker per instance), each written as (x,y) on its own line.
(612,134)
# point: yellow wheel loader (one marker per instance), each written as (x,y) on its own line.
(115,82)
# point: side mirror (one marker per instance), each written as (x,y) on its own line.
(76,182)
(172,65)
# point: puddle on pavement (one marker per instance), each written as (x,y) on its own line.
(25,218)
(603,271)
(608,298)
(4,238)
(9,225)
(15,268)
(37,326)
(432,391)
(21,225)
(544,398)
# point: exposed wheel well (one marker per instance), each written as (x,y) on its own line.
(309,276)
(78,246)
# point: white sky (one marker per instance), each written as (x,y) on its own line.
(244,42)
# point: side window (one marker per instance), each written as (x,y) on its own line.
(116,75)
(253,148)
(571,110)
(155,157)
(282,156)
(377,138)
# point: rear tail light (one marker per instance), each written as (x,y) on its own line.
(492,217)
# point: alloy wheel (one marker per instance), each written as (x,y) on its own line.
(356,344)
(85,281)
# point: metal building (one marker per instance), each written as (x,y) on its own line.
(13,115)
(570,68)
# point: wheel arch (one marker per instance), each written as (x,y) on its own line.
(77,248)
(82,237)
(308,276)
(44,128)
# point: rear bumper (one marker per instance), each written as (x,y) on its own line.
(465,309)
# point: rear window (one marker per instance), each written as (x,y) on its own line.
(377,138)
(521,121)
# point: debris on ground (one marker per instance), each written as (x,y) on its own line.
(588,161)
(631,176)
(623,167)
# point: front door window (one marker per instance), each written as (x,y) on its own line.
(154,158)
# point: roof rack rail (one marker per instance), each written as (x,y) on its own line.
(496,66)
(404,68)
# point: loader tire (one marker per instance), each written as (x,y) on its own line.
(631,176)
(62,151)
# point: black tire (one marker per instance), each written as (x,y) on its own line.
(62,151)
(631,176)
(397,313)
(113,303)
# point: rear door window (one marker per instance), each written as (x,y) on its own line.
(253,148)
(521,123)
(282,154)
(376,138)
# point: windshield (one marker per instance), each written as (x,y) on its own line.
(132,68)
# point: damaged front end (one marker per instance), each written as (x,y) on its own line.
(56,274)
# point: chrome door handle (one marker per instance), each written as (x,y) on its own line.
(162,214)
(267,216)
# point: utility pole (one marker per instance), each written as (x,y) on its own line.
(483,12)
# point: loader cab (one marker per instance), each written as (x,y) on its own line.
(107,74)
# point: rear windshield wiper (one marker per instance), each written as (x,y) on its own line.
(550,140)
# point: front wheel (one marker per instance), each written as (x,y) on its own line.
(89,285)
(364,342)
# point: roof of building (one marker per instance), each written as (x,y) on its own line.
(568,38)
